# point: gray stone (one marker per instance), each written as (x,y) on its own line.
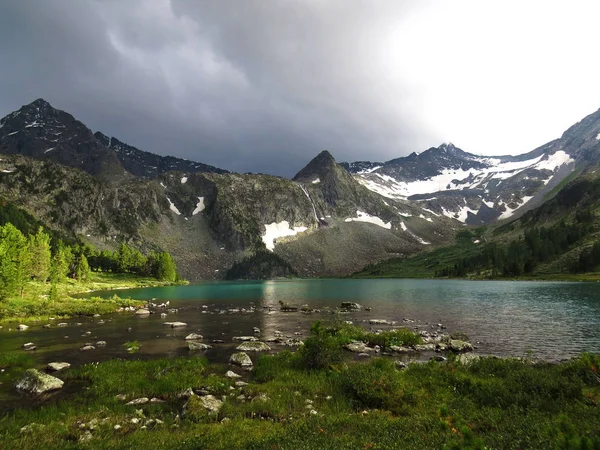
(62,324)
(358,347)
(211,403)
(35,382)
(194,337)
(425,347)
(87,348)
(401,349)
(101,344)
(142,312)
(253,347)
(232,374)
(241,359)
(245,338)
(22,327)
(466,358)
(138,401)
(379,322)
(29,346)
(56,366)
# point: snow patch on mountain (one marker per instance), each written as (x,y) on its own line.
(456,179)
(510,211)
(172,207)
(199,206)
(275,231)
(364,217)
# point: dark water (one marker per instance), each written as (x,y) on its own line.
(551,320)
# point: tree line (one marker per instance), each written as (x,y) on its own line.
(38,257)
(536,246)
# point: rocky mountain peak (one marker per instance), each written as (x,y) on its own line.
(41,131)
(318,167)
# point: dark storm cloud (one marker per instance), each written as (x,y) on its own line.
(244,85)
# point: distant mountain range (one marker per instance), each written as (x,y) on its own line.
(330,219)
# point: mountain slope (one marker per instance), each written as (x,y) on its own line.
(555,240)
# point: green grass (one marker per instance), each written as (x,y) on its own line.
(36,305)
(491,403)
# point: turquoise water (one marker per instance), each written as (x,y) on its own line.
(551,320)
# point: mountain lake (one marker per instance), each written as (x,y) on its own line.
(547,320)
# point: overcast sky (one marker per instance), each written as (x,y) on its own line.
(264,85)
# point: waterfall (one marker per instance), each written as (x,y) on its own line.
(311,202)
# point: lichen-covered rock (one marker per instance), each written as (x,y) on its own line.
(35,382)
(56,366)
(253,347)
(460,346)
(241,359)
(198,408)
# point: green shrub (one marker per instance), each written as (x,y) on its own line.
(376,384)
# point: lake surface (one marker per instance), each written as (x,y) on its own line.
(550,320)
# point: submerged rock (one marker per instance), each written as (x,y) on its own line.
(253,347)
(176,324)
(245,338)
(380,322)
(198,346)
(351,306)
(56,366)
(241,359)
(35,382)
